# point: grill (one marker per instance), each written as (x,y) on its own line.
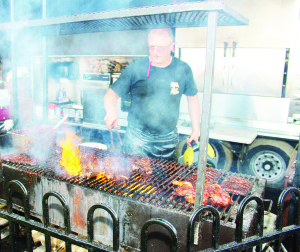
(135,200)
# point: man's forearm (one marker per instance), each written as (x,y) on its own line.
(194,111)
(110,101)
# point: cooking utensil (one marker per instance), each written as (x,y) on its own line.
(191,155)
(60,122)
(112,138)
(94,145)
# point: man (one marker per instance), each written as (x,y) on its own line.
(156,84)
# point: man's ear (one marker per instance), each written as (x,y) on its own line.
(173,47)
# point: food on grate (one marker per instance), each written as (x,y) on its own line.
(21,159)
(91,166)
(236,185)
(116,168)
(186,190)
(211,176)
(213,192)
(217,195)
(120,167)
(141,165)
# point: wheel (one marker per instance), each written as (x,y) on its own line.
(268,159)
(224,155)
(181,147)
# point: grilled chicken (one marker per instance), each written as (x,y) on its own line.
(187,190)
(217,195)
(213,192)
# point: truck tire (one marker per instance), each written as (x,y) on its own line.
(224,155)
(269,159)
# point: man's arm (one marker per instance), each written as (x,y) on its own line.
(194,111)
(110,104)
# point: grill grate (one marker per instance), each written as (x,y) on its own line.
(157,189)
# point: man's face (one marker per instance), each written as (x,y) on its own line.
(160,48)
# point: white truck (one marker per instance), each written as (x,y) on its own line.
(250,120)
(255,100)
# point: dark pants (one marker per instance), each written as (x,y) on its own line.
(137,142)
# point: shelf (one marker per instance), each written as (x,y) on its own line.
(191,14)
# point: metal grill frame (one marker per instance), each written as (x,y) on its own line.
(165,198)
(132,213)
(172,15)
(69,239)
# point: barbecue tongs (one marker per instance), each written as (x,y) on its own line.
(112,138)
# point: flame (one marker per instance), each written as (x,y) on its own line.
(100,175)
(70,154)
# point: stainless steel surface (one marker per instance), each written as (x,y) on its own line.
(252,71)
(256,115)
(174,15)
(249,107)
(263,128)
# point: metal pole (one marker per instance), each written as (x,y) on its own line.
(45,69)
(206,104)
(12,7)
(14,68)
(296,179)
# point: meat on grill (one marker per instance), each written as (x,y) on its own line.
(236,185)
(91,167)
(213,192)
(21,159)
(121,167)
(118,168)
(211,176)
(186,190)
(141,165)
(217,195)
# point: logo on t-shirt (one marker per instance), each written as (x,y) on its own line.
(174,88)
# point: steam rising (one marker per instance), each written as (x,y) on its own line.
(17,57)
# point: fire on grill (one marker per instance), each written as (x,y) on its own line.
(137,187)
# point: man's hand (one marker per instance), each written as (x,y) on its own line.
(111,120)
(194,136)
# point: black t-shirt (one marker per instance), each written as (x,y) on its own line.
(155,100)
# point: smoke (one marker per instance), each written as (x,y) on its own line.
(28,45)
(27,10)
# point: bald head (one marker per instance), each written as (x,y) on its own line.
(163,33)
